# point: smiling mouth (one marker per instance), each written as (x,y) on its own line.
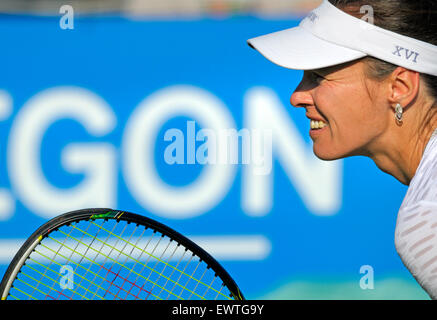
(316,125)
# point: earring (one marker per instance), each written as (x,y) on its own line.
(398,113)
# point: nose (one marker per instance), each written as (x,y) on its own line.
(301,97)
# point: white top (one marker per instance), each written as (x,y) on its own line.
(416,226)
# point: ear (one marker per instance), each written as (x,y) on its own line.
(404,86)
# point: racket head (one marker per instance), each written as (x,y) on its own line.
(106,254)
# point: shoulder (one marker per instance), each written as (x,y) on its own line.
(423,186)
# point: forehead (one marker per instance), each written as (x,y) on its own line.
(347,67)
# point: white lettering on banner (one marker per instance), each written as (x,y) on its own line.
(96,161)
(138,144)
(7,203)
(318,182)
(5,105)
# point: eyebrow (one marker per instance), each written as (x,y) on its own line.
(317,72)
(327,70)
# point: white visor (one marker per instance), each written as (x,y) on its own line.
(329,36)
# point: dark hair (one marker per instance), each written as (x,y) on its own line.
(413,18)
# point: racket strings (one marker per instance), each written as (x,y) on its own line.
(107,269)
(166,264)
(114,260)
(142,268)
(44,275)
(71,255)
(94,262)
(57,278)
(130,272)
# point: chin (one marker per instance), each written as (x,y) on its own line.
(328,155)
(327,158)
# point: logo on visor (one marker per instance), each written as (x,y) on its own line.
(312,17)
(407,54)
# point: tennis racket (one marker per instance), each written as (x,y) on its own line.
(105,254)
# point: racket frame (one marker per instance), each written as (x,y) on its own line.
(106,213)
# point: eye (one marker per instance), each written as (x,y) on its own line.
(317,77)
(313,77)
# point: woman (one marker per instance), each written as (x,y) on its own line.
(370,88)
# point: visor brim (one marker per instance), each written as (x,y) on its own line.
(298,49)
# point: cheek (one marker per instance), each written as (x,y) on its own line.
(354,121)
(346,106)
(356,124)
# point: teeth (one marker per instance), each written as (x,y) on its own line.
(317,124)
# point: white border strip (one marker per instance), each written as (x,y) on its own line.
(229,247)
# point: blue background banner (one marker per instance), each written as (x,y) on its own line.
(88,115)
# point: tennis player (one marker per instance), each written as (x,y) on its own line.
(370,88)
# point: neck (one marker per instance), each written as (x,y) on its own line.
(400,164)
(403,152)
